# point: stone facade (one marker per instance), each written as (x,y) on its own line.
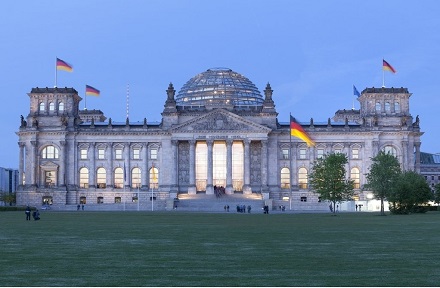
(68,156)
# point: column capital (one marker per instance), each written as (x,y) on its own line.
(192,142)
(21,144)
(34,143)
(210,142)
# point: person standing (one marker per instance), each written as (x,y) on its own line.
(28,213)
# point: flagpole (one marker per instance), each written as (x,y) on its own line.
(124,186)
(383,75)
(85,100)
(290,160)
(56,72)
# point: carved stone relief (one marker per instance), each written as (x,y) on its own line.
(183,150)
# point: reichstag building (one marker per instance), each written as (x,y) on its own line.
(218,134)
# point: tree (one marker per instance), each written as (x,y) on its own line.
(328,178)
(410,191)
(7,197)
(437,193)
(382,176)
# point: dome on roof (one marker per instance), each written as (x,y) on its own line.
(219,86)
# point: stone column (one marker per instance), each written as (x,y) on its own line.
(127,181)
(61,174)
(247,173)
(22,146)
(209,181)
(192,167)
(92,172)
(417,165)
(293,167)
(264,172)
(229,187)
(174,170)
(144,169)
(405,155)
(35,165)
(110,179)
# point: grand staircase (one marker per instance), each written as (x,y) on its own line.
(211,203)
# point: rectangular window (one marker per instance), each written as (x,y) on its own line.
(118,153)
(302,153)
(83,153)
(355,154)
(303,199)
(153,154)
(285,154)
(136,153)
(101,153)
(338,151)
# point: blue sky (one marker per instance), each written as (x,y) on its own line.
(311,52)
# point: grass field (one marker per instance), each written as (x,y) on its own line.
(201,249)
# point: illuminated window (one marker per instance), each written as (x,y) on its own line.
(302,178)
(84,178)
(50,152)
(154,178)
(61,107)
(355,176)
(136,178)
(119,178)
(51,106)
(319,153)
(101,177)
(237,165)
(387,107)
(219,163)
(285,178)
(42,107)
(201,165)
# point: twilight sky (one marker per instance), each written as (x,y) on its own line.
(311,52)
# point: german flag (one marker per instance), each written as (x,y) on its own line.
(387,67)
(63,65)
(297,131)
(92,91)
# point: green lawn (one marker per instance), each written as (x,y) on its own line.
(202,249)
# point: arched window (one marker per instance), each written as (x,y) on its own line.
(154,178)
(377,106)
(51,106)
(61,107)
(42,108)
(285,178)
(390,150)
(119,178)
(387,107)
(101,177)
(49,152)
(84,177)
(303,178)
(355,176)
(136,178)
(397,107)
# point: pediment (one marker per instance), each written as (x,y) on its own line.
(220,121)
(49,165)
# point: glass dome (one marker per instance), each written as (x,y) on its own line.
(219,86)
